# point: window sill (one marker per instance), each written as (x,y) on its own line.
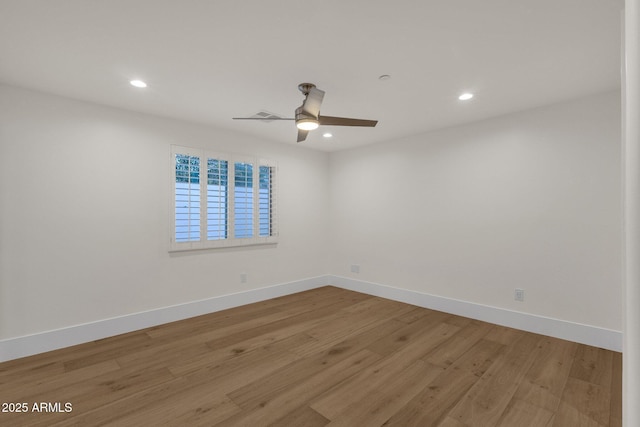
(235,245)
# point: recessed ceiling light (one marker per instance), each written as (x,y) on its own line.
(384,77)
(327,134)
(465,96)
(138,83)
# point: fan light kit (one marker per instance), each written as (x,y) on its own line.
(307,124)
(307,116)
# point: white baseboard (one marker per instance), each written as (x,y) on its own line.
(576,332)
(14,348)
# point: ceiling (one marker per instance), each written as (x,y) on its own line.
(208,61)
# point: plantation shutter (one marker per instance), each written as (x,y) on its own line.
(187,198)
(243,200)
(217,199)
(221,200)
(266,201)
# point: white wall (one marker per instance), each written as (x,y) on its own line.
(84,215)
(530,200)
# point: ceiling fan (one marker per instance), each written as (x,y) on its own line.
(308,116)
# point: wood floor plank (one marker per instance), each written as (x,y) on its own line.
(197,405)
(413,315)
(504,335)
(327,356)
(168,350)
(616,392)
(230,358)
(263,389)
(449,351)
(568,415)
(487,400)
(177,400)
(381,403)
(214,380)
(303,416)
(87,395)
(450,422)
(108,349)
(593,365)
(433,403)
(29,369)
(290,322)
(523,414)
(369,379)
(49,384)
(359,319)
(356,317)
(544,382)
(585,400)
(290,401)
(307,300)
(396,340)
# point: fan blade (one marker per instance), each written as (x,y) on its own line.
(344,121)
(266,119)
(302,135)
(313,101)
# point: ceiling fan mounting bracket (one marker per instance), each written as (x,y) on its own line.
(305,88)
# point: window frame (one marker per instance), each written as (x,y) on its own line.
(231,240)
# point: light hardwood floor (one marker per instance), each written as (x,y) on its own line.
(322,357)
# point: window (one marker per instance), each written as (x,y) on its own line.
(221,200)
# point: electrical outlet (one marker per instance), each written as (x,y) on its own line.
(355,268)
(243,277)
(518,295)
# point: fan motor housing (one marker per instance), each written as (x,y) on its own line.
(300,114)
